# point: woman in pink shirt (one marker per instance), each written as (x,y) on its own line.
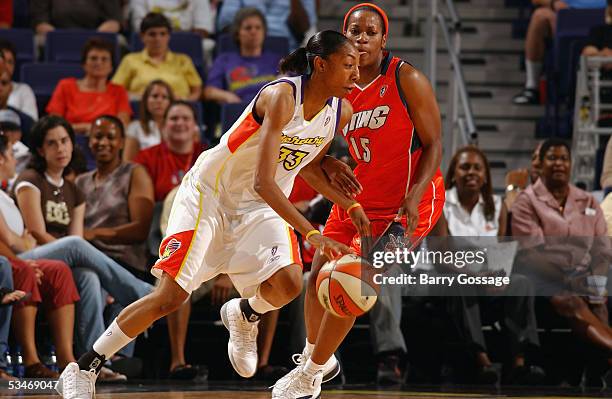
(566,246)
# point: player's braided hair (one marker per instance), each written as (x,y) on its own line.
(323,44)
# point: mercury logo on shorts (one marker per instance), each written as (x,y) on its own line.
(172,246)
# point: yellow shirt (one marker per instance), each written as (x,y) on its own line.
(137,70)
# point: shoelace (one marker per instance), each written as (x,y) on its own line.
(299,359)
(301,384)
(77,385)
(246,342)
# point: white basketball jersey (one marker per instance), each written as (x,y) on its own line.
(229,168)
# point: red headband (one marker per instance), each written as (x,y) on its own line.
(375,7)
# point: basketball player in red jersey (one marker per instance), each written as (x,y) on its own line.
(394,136)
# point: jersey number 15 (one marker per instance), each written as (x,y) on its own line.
(361,151)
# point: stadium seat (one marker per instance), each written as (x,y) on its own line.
(21,14)
(230,114)
(23,39)
(66,45)
(43,77)
(275,44)
(180,42)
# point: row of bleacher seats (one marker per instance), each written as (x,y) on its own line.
(62,58)
(65,45)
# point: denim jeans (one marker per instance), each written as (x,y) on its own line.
(6,281)
(94,272)
(76,252)
(90,323)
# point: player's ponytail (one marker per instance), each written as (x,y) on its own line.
(295,63)
(323,44)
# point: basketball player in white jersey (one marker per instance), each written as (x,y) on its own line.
(231,214)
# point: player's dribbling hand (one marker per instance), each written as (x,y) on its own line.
(362,224)
(341,176)
(330,248)
(409,209)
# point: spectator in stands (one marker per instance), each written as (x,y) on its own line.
(187,16)
(146,131)
(52,209)
(6,15)
(170,160)
(549,211)
(21,97)
(156,61)
(237,76)
(101,15)
(6,87)
(472,210)
(8,297)
(80,101)
(119,197)
(293,22)
(599,42)
(49,282)
(542,26)
(10,125)
(517,180)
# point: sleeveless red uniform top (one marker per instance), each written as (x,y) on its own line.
(382,139)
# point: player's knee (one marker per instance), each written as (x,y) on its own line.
(292,284)
(168,297)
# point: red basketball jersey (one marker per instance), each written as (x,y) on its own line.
(382,139)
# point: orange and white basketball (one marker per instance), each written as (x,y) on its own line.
(345,286)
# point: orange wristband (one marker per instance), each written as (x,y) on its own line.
(355,205)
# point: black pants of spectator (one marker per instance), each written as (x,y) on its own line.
(466,307)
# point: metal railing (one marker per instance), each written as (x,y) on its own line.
(459,129)
(587,111)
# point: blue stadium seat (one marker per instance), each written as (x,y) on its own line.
(180,42)
(43,77)
(573,25)
(275,44)
(23,39)
(21,14)
(66,45)
(230,114)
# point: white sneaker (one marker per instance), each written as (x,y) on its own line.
(330,370)
(75,383)
(301,385)
(242,345)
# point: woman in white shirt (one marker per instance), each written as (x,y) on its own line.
(21,97)
(472,210)
(146,131)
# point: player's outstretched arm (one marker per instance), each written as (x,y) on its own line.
(315,176)
(425,114)
(276,104)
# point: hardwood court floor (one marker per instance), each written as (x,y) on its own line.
(244,391)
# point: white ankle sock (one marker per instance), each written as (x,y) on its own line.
(111,341)
(533,69)
(309,347)
(311,367)
(260,305)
